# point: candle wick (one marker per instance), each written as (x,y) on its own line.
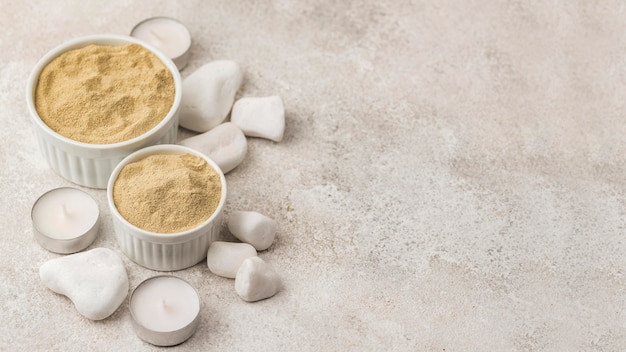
(155,35)
(164,304)
(65,210)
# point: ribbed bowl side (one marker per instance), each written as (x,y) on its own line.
(166,256)
(87,171)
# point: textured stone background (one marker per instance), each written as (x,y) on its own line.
(452,175)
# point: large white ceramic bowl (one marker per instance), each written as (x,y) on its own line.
(171,251)
(87,164)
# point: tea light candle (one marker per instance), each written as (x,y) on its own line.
(167,35)
(65,220)
(165,310)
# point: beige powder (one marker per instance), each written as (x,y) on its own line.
(167,193)
(104,94)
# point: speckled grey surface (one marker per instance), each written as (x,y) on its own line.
(452,175)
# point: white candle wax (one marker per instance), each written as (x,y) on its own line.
(167,35)
(62,215)
(165,304)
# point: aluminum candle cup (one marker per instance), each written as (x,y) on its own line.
(65,220)
(165,310)
(165,251)
(87,164)
(167,35)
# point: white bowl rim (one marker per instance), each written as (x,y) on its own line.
(156,237)
(101,39)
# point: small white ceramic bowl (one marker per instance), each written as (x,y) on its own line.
(171,251)
(87,164)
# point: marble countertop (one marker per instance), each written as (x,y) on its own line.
(452,176)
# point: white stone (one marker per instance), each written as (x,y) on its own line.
(253,228)
(95,281)
(225,144)
(208,95)
(256,280)
(224,258)
(260,117)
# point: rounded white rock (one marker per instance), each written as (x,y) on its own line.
(225,144)
(208,95)
(253,228)
(225,258)
(260,117)
(256,280)
(95,281)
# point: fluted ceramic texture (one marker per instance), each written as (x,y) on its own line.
(166,256)
(92,171)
